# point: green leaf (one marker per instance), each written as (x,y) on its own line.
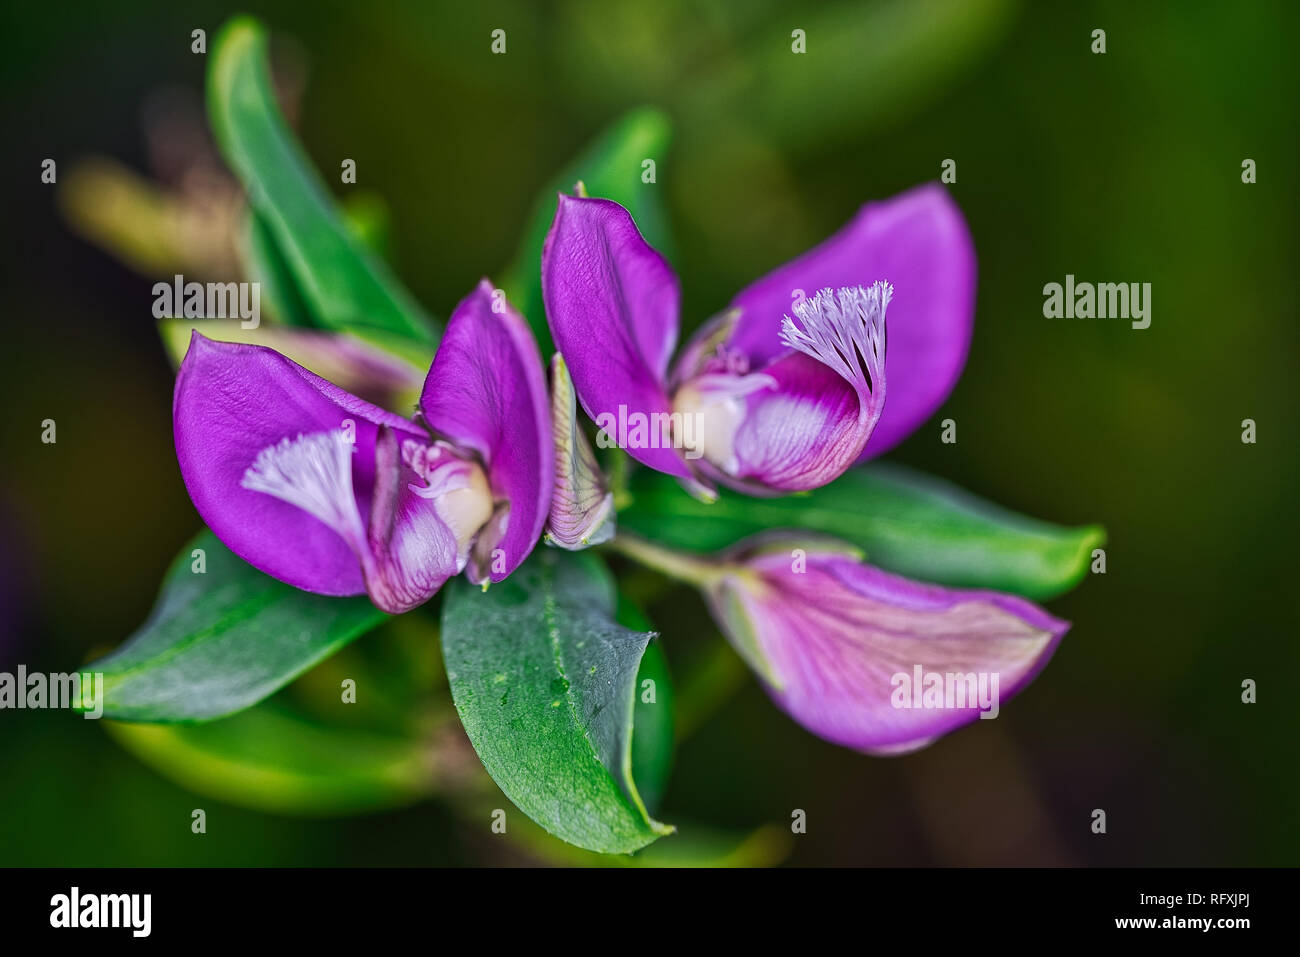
(653,714)
(905,521)
(704,846)
(273,759)
(698,845)
(264,264)
(220,641)
(343,284)
(544,680)
(859,84)
(610,168)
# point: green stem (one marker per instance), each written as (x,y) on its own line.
(679,565)
(618,474)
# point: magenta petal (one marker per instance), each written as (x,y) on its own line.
(831,637)
(802,432)
(612,304)
(231,403)
(820,404)
(411,550)
(486,392)
(918,241)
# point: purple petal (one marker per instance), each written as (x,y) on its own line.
(412,547)
(582,507)
(840,644)
(802,433)
(233,402)
(487,393)
(798,423)
(918,241)
(612,304)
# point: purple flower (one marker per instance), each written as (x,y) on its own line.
(859,656)
(865,658)
(331,494)
(786,388)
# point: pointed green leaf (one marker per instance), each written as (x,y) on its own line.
(858,85)
(697,845)
(611,167)
(342,283)
(273,759)
(905,521)
(223,639)
(653,721)
(544,680)
(281,299)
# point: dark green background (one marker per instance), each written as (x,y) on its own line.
(1119,167)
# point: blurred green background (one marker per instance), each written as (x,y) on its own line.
(1117,167)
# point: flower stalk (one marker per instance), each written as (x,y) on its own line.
(698,572)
